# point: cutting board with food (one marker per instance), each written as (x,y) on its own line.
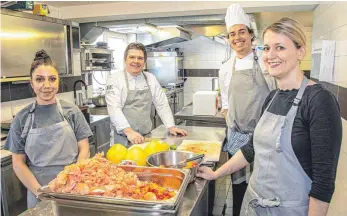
(211,149)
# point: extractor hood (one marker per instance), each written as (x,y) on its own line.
(164,37)
(90,32)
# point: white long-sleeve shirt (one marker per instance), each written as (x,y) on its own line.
(116,95)
(225,74)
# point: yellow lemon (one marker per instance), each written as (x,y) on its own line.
(156,146)
(164,146)
(138,155)
(116,153)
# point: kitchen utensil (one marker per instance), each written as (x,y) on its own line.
(167,158)
(98,205)
(211,149)
(99,101)
(183,163)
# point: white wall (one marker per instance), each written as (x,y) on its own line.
(330,23)
(200,53)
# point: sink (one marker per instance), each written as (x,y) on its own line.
(98,111)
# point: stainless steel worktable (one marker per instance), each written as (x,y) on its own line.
(196,196)
(187,114)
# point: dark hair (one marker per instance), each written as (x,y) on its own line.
(137,46)
(42,58)
(250,31)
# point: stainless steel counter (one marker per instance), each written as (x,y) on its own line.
(196,197)
(98,111)
(97,119)
(195,200)
(194,133)
(187,114)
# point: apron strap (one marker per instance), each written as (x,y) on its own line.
(292,111)
(149,87)
(298,97)
(60,108)
(126,79)
(29,122)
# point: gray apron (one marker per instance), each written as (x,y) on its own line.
(48,149)
(247,93)
(279,185)
(137,110)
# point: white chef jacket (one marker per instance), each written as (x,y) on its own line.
(116,95)
(225,74)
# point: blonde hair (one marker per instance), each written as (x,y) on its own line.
(291,28)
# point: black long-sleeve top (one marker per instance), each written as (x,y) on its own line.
(316,135)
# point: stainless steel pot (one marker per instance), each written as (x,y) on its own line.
(168,158)
(99,101)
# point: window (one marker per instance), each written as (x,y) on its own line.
(118,46)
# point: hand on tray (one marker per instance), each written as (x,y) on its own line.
(206,173)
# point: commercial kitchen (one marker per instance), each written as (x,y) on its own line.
(187,45)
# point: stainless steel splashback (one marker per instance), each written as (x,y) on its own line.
(23,35)
(167,67)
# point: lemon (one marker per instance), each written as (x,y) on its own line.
(116,153)
(156,146)
(137,154)
(164,146)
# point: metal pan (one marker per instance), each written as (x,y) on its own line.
(170,178)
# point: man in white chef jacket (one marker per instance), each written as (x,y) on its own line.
(244,85)
(129,97)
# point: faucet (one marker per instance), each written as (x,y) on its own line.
(74,90)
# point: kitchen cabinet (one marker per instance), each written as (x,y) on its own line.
(92,150)
(13,192)
(102,136)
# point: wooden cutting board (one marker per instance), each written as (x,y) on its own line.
(211,149)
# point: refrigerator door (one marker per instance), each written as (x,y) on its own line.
(165,69)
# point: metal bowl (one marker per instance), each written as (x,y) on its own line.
(168,158)
(99,101)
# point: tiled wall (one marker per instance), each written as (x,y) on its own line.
(330,23)
(264,19)
(11,108)
(202,60)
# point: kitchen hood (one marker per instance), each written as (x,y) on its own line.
(90,32)
(164,37)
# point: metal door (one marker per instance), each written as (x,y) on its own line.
(13,192)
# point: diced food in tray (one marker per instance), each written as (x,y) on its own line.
(99,176)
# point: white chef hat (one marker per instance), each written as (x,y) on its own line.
(235,15)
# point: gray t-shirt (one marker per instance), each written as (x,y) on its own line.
(46,115)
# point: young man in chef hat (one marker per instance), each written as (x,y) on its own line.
(244,85)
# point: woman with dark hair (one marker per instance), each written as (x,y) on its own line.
(48,134)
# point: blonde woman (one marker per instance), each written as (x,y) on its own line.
(297,141)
